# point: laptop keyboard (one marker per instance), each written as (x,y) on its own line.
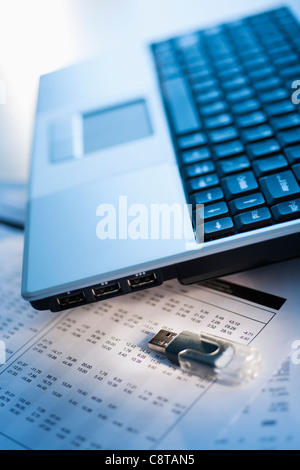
(228,97)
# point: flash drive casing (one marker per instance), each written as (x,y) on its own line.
(209,356)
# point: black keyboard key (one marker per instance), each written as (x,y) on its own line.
(246,107)
(285,122)
(267,84)
(214,108)
(262,73)
(254,219)
(280,50)
(202,87)
(187,41)
(215,210)
(193,140)
(220,51)
(215,122)
(289,137)
(296,170)
(293,154)
(233,165)
(218,228)
(250,52)
(245,203)
(293,71)
(162,47)
(166,58)
(181,107)
(254,63)
(229,73)
(250,120)
(226,63)
(192,54)
(297,42)
(170,71)
(193,66)
(208,196)
(279,187)
(209,97)
(257,133)
(197,155)
(285,211)
(236,82)
(289,59)
(223,135)
(239,184)
(240,95)
(274,95)
(262,149)
(282,107)
(229,149)
(203,182)
(264,166)
(193,60)
(204,73)
(212,211)
(199,169)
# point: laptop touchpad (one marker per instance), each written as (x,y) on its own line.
(83,134)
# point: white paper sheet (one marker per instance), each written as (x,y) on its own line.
(271,421)
(85,379)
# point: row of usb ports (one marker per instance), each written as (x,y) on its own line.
(107,290)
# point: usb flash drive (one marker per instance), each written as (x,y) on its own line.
(208,356)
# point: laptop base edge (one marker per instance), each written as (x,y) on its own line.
(187,273)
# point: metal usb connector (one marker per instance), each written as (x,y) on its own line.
(161,340)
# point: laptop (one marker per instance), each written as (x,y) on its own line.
(180,160)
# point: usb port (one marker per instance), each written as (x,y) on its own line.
(70,300)
(141,281)
(105,290)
